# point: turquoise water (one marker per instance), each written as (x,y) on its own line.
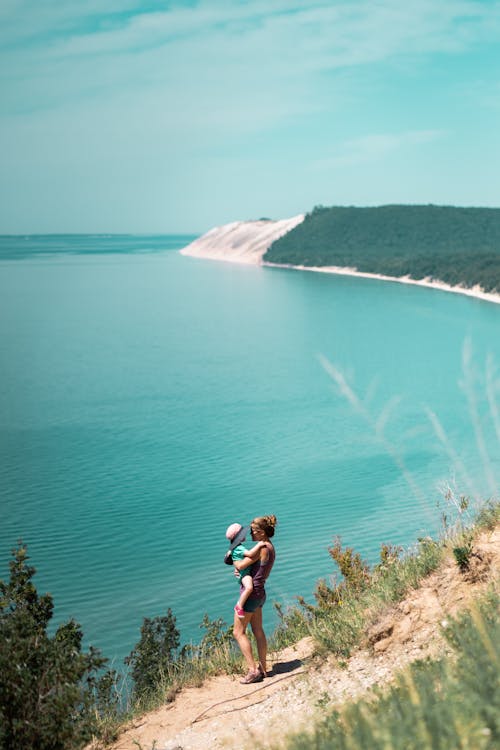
(149,399)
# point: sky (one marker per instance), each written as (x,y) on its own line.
(174,117)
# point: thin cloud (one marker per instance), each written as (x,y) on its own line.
(377,146)
(226,52)
(332,35)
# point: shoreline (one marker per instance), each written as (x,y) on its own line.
(476,291)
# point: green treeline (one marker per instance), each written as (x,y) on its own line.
(454,245)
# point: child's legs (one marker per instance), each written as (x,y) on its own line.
(247,584)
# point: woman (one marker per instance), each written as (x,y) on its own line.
(262,529)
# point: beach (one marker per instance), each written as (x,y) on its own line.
(475,291)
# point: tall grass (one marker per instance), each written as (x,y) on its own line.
(432,705)
(344,611)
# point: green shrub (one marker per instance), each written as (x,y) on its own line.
(462,552)
(47,684)
(355,570)
(489,515)
(294,624)
(214,654)
(153,656)
(218,634)
(344,609)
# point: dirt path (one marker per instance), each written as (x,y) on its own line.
(222,713)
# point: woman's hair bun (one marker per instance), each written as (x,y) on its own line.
(267,524)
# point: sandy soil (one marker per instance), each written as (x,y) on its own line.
(241,241)
(225,714)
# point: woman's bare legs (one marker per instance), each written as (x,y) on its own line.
(239,632)
(260,637)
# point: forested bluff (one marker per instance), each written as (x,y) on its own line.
(459,246)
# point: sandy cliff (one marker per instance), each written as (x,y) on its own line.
(241,241)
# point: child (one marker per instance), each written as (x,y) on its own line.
(237,534)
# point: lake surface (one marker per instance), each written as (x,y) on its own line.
(148,400)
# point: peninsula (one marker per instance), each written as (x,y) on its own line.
(450,248)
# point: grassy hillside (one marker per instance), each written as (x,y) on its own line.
(451,702)
(455,245)
(391,660)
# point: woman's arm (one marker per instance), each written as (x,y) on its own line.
(259,550)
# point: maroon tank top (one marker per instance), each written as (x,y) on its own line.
(260,571)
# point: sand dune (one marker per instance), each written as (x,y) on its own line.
(241,241)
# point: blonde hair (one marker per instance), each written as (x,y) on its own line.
(267,524)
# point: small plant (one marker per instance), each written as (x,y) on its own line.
(489,515)
(355,570)
(389,554)
(106,694)
(214,654)
(356,576)
(109,705)
(293,623)
(327,596)
(218,634)
(323,701)
(463,552)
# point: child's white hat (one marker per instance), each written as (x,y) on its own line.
(232,530)
(236,533)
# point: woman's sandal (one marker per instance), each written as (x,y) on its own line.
(252,676)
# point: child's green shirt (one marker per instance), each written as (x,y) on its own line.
(239,553)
